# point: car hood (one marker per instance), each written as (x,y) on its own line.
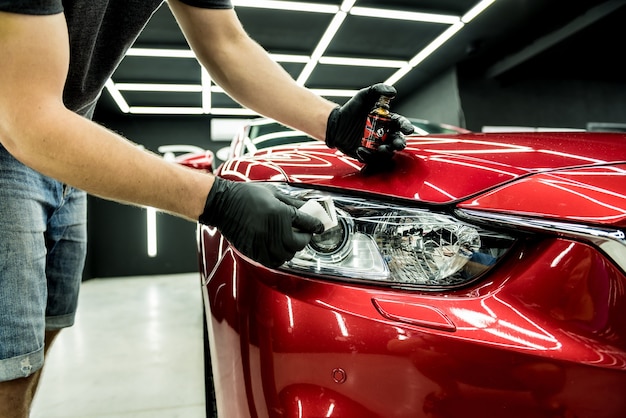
(442,169)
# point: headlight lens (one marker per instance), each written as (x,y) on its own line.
(396,245)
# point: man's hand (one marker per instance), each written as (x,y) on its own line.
(257,223)
(347,123)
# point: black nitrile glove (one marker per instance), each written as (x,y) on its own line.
(257,223)
(347,123)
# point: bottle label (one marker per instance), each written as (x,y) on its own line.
(376,131)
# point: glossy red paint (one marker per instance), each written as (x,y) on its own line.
(588,194)
(437,169)
(541,335)
(202,162)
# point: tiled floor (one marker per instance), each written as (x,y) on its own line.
(134,352)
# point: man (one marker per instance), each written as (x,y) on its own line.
(55,57)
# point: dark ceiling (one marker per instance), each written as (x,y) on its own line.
(512,38)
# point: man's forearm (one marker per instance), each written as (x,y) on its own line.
(74,150)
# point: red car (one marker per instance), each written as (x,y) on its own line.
(483,276)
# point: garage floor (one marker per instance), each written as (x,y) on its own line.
(134,352)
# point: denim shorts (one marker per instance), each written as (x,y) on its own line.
(43,242)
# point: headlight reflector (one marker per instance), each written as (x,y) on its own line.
(396,245)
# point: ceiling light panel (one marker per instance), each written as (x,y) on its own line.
(160,53)
(181,88)
(361,62)
(319,50)
(476,10)
(118,98)
(332,46)
(404,15)
(374,38)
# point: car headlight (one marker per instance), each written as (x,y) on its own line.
(396,245)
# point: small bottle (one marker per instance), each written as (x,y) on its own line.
(377,124)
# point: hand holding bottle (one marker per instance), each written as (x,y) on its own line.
(347,124)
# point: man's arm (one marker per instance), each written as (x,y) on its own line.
(247,73)
(37,129)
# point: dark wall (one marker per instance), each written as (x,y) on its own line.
(117,232)
(438,102)
(552,81)
(537,102)
(118,244)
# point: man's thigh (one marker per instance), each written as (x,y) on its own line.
(39,226)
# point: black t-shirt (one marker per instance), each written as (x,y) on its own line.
(100,33)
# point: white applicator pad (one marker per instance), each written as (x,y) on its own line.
(322,209)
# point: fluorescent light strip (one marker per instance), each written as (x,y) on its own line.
(151,227)
(328,36)
(362,62)
(319,92)
(434,45)
(160,53)
(186,53)
(233,111)
(334,93)
(290,58)
(424,53)
(334,26)
(439,41)
(395,77)
(306,73)
(287,5)
(404,15)
(117,96)
(347,5)
(179,88)
(207,101)
(476,10)
(164,110)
